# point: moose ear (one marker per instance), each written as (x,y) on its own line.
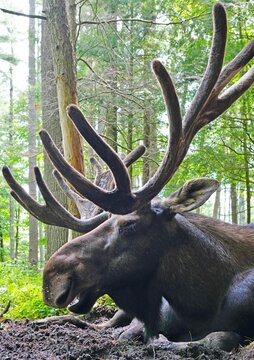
(191,195)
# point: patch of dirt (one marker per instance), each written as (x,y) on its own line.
(51,341)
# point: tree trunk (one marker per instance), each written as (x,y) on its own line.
(56,236)
(41,247)
(11,203)
(246,163)
(245,110)
(65,74)
(146,132)
(111,113)
(148,128)
(71,15)
(242,211)
(233,196)
(216,207)
(1,244)
(131,77)
(17,220)
(32,151)
(64,64)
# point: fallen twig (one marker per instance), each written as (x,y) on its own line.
(6,309)
(64,319)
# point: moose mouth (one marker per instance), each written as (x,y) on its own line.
(83,303)
(66,296)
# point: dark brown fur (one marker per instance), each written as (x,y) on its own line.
(193,261)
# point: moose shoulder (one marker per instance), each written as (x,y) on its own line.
(151,251)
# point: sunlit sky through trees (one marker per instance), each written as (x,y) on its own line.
(15,27)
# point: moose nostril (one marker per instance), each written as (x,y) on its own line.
(62,299)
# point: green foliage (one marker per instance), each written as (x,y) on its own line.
(106,301)
(9,58)
(114,72)
(22,285)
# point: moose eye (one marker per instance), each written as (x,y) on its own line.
(128,227)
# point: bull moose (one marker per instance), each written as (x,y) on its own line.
(143,250)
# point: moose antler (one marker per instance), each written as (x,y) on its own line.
(208,103)
(103,179)
(53,213)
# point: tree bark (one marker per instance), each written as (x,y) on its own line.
(65,74)
(246,162)
(111,112)
(146,132)
(1,244)
(233,196)
(17,221)
(64,64)
(56,236)
(131,78)
(148,128)
(216,207)
(32,151)
(11,200)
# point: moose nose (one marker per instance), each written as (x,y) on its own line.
(61,300)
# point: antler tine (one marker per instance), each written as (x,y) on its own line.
(53,213)
(106,153)
(168,165)
(98,169)
(66,217)
(134,155)
(218,105)
(171,102)
(103,179)
(213,68)
(115,201)
(21,195)
(79,200)
(233,67)
(81,184)
(217,102)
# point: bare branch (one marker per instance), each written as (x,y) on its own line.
(149,22)
(22,14)
(6,309)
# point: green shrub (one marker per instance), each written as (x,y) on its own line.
(22,286)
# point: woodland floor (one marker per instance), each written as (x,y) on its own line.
(52,341)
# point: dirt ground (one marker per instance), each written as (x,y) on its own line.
(53,341)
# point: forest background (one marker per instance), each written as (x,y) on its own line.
(103,64)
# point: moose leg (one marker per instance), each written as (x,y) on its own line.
(168,324)
(134,331)
(237,313)
(224,340)
(121,318)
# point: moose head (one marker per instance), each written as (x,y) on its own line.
(142,248)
